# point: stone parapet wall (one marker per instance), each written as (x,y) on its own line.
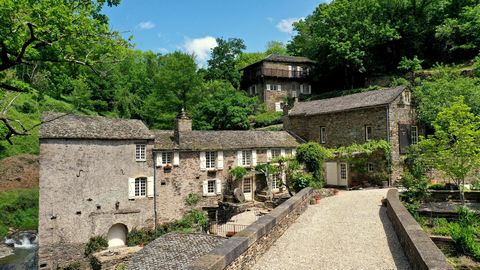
(420,250)
(247,246)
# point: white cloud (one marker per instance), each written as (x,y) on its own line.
(200,47)
(146,25)
(286,25)
(162,50)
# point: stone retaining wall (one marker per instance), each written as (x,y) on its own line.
(420,250)
(247,246)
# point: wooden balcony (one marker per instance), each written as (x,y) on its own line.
(276,73)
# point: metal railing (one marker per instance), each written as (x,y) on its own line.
(227,229)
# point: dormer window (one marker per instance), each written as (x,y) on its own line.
(140,152)
(406,97)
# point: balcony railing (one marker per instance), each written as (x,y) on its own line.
(279,73)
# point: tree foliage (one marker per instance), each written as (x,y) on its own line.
(354,39)
(454,149)
(222,65)
(313,155)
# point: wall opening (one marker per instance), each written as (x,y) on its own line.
(117,235)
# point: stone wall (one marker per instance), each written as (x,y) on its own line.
(246,247)
(348,127)
(81,184)
(399,113)
(420,250)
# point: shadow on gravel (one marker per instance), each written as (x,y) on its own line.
(395,248)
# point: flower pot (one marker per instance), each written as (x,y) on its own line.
(317,199)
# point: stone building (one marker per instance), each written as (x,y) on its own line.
(277,77)
(386,114)
(102,176)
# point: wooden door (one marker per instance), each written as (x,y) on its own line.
(343,174)
(247,188)
(332,173)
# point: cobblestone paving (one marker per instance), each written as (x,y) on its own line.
(174,251)
(347,231)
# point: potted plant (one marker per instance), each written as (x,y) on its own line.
(317,199)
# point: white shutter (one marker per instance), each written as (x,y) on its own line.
(218,184)
(269,154)
(220,160)
(239,158)
(278,107)
(282,152)
(294,151)
(176,158)
(150,193)
(131,188)
(254,157)
(301,89)
(279,87)
(294,93)
(268,87)
(203,161)
(159,159)
(255,89)
(309,89)
(205,188)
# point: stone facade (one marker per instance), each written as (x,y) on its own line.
(84,191)
(345,127)
(275,78)
(86,179)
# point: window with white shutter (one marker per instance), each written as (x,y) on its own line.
(269,87)
(176,158)
(211,187)
(164,158)
(150,187)
(137,187)
(210,160)
(278,106)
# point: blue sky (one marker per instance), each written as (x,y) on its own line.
(193,25)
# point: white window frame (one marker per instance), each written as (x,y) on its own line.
(276,152)
(166,155)
(323,134)
(210,160)
(278,106)
(246,158)
(370,167)
(343,171)
(140,187)
(368,134)
(276,180)
(140,152)
(211,187)
(414,134)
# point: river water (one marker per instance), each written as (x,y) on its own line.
(25,254)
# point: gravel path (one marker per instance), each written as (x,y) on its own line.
(347,231)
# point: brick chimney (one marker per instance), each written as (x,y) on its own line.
(183,123)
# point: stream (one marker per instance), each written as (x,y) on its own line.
(24,256)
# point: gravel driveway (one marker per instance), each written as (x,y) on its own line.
(347,231)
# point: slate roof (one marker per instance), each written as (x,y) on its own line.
(348,102)
(198,140)
(287,58)
(70,126)
(174,251)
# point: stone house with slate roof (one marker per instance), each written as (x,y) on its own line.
(276,77)
(386,114)
(103,176)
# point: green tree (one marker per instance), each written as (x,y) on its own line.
(435,93)
(223,107)
(222,64)
(313,155)
(176,84)
(268,170)
(454,149)
(81,94)
(276,47)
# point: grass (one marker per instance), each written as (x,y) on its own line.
(27,109)
(18,210)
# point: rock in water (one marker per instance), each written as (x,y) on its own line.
(5,250)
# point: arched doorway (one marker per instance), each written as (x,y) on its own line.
(117,235)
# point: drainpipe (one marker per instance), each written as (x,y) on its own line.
(388,140)
(154,188)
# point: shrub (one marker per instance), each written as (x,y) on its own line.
(475,185)
(138,237)
(268,119)
(438,186)
(19,210)
(73,266)
(95,264)
(95,244)
(313,155)
(192,199)
(300,181)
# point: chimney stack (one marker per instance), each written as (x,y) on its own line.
(183,123)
